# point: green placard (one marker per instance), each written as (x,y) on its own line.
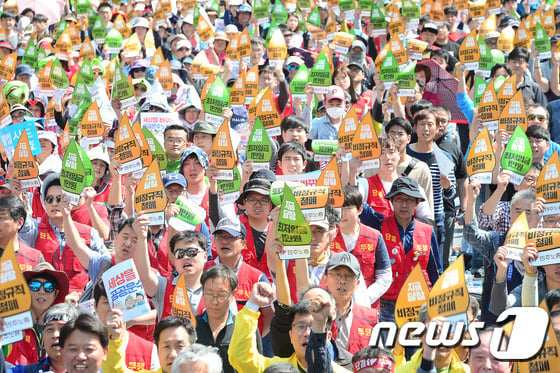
(485,63)
(479,88)
(77,118)
(190,215)
(320,74)
(389,68)
(73,173)
(229,189)
(98,31)
(365,6)
(123,89)
(407,81)
(279,13)
(346,5)
(31,55)
(155,147)
(292,228)
(542,42)
(41,55)
(114,41)
(517,156)
(297,85)
(259,148)
(81,92)
(261,8)
(88,167)
(314,17)
(58,76)
(86,72)
(498,82)
(377,18)
(410,9)
(196,15)
(216,99)
(324,147)
(83,7)
(277,189)
(61,26)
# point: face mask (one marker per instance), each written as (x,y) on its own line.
(335,112)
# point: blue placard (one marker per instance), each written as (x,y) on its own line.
(9,136)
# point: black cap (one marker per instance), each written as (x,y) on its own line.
(263,173)
(261,186)
(508,21)
(407,186)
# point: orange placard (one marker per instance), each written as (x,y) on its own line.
(147,157)
(17,297)
(127,148)
(180,304)
(514,114)
(506,91)
(205,28)
(489,108)
(45,84)
(477,10)
(522,36)
(86,50)
(481,159)
(251,84)
(65,138)
(317,32)
(244,47)
(8,66)
(92,125)
(412,296)
(75,39)
(63,45)
(268,114)
(330,177)
(469,52)
(132,46)
(237,93)
(25,168)
(547,22)
(223,154)
(366,145)
(165,78)
(449,295)
(206,87)
(120,24)
(436,13)
(157,58)
(343,42)
(277,50)
(347,129)
(399,52)
(231,51)
(151,197)
(5,117)
(396,25)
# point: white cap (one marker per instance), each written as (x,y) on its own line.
(294,59)
(100,153)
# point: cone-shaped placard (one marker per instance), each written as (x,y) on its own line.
(155,148)
(292,229)
(268,113)
(163,75)
(279,13)
(518,156)
(73,174)
(8,66)
(407,81)
(449,295)
(479,88)
(505,40)
(547,185)
(30,57)
(488,109)
(259,148)
(181,306)
(346,132)
(277,50)
(469,51)
(92,125)
(123,89)
(365,145)
(114,41)
(515,238)
(330,177)
(297,85)
(481,159)
(506,91)
(389,70)
(147,157)
(25,168)
(216,99)
(320,75)
(237,93)
(223,154)
(412,296)
(17,297)
(513,115)
(127,149)
(229,189)
(151,197)
(542,43)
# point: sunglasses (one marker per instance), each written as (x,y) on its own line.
(292,67)
(36,285)
(191,252)
(51,199)
(540,118)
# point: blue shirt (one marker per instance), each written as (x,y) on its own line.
(551,149)
(323,129)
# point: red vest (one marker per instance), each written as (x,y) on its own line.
(24,352)
(376,196)
(363,321)
(37,205)
(64,261)
(27,257)
(169,301)
(138,353)
(103,195)
(402,264)
(160,260)
(364,250)
(205,204)
(365,102)
(81,214)
(249,253)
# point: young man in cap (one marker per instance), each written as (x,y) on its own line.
(354,322)
(409,241)
(326,128)
(174,142)
(429,34)
(194,164)
(244,14)
(23,73)
(202,135)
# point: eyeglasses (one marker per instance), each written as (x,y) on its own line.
(36,285)
(140,89)
(217,297)
(540,118)
(183,49)
(292,67)
(51,199)
(254,201)
(191,252)
(301,328)
(341,277)
(530,180)
(175,141)
(226,237)
(97,73)
(442,121)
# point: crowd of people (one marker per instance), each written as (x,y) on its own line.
(251,310)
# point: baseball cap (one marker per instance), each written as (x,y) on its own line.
(99,153)
(492,35)
(358,63)
(335,92)
(49,180)
(294,59)
(358,44)
(140,64)
(320,223)
(509,21)
(232,226)
(23,69)
(407,186)
(431,27)
(184,44)
(200,154)
(174,178)
(7,45)
(245,8)
(204,127)
(344,260)
(261,186)
(263,173)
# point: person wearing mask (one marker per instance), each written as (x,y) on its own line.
(326,128)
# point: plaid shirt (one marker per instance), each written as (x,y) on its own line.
(499,222)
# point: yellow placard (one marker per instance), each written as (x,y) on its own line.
(481,159)
(150,196)
(132,47)
(331,25)
(330,177)
(547,22)
(366,145)
(515,238)
(489,25)
(489,109)
(311,197)
(469,52)
(416,45)
(412,296)
(505,40)
(506,91)
(17,297)
(343,41)
(522,36)
(547,242)
(92,124)
(347,129)
(548,185)
(165,78)
(63,45)
(8,66)
(25,168)
(513,114)
(147,157)
(268,114)
(127,148)
(399,52)
(477,9)
(317,32)
(277,49)
(449,295)
(180,305)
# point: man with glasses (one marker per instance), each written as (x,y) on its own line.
(174,142)
(214,327)
(538,115)
(189,256)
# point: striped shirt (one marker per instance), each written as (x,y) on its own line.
(430,160)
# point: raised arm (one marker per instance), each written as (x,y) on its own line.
(96,221)
(80,249)
(141,257)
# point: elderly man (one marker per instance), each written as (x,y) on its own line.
(198,358)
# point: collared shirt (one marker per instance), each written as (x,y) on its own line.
(323,129)
(158,301)
(344,324)
(499,221)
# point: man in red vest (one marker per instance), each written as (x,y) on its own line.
(409,241)
(354,322)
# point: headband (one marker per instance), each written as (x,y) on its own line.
(374,362)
